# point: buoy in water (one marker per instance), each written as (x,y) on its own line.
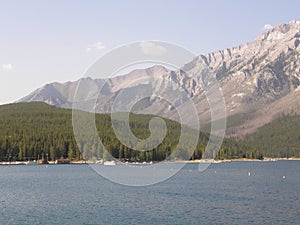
(283,177)
(249,174)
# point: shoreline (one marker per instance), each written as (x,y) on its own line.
(267,159)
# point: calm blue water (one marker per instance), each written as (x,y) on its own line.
(223,194)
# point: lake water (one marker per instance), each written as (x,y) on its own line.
(223,194)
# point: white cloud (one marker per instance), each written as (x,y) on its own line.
(150,48)
(96,46)
(7,67)
(267,27)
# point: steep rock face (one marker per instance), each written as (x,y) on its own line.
(259,72)
(256,78)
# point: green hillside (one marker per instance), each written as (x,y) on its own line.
(280,138)
(32,130)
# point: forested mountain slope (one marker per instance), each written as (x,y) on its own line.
(32,130)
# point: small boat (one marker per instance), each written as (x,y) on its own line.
(34,162)
(110,163)
(62,161)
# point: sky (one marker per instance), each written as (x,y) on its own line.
(57,40)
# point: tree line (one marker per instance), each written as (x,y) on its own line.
(29,131)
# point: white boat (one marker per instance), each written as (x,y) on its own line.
(110,163)
(34,162)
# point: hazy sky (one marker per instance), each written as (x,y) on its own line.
(44,41)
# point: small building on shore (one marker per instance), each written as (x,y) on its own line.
(43,161)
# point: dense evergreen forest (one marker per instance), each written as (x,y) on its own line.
(30,131)
(280,138)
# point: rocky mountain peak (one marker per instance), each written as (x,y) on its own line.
(260,78)
(282,31)
(156,69)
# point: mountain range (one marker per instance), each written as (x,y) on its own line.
(260,82)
